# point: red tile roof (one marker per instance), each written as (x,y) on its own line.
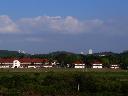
(96,62)
(78,62)
(22,60)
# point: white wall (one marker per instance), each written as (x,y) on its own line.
(114,66)
(4,66)
(16,64)
(47,66)
(97,66)
(79,65)
(31,66)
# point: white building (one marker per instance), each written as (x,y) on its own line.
(4,66)
(90,51)
(79,64)
(23,63)
(97,64)
(114,66)
(16,64)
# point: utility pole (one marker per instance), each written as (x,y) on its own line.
(78,87)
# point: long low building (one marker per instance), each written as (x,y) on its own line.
(23,63)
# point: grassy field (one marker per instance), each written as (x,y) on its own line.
(60,70)
(63,82)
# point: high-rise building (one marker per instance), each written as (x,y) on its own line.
(90,51)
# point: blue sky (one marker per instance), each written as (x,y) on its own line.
(79,8)
(42,26)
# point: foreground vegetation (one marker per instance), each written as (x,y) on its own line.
(63,82)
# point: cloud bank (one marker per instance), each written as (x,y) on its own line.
(69,24)
(7,25)
(61,25)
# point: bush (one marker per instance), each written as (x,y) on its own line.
(63,84)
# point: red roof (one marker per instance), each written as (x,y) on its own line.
(7,60)
(23,60)
(78,62)
(96,62)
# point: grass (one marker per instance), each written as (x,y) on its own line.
(63,82)
(60,70)
(96,72)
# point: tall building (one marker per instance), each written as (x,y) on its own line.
(90,51)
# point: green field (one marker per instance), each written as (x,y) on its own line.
(63,82)
(60,70)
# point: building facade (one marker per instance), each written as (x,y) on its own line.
(79,64)
(23,63)
(97,64)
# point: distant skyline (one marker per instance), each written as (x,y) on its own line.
(43,26)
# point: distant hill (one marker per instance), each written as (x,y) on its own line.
(61,52)
(104,54)
(7,53)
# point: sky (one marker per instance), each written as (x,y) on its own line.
(43,26)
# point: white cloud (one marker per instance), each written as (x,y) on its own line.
(68,25)
(59,24)
(7,25)
(62,25)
